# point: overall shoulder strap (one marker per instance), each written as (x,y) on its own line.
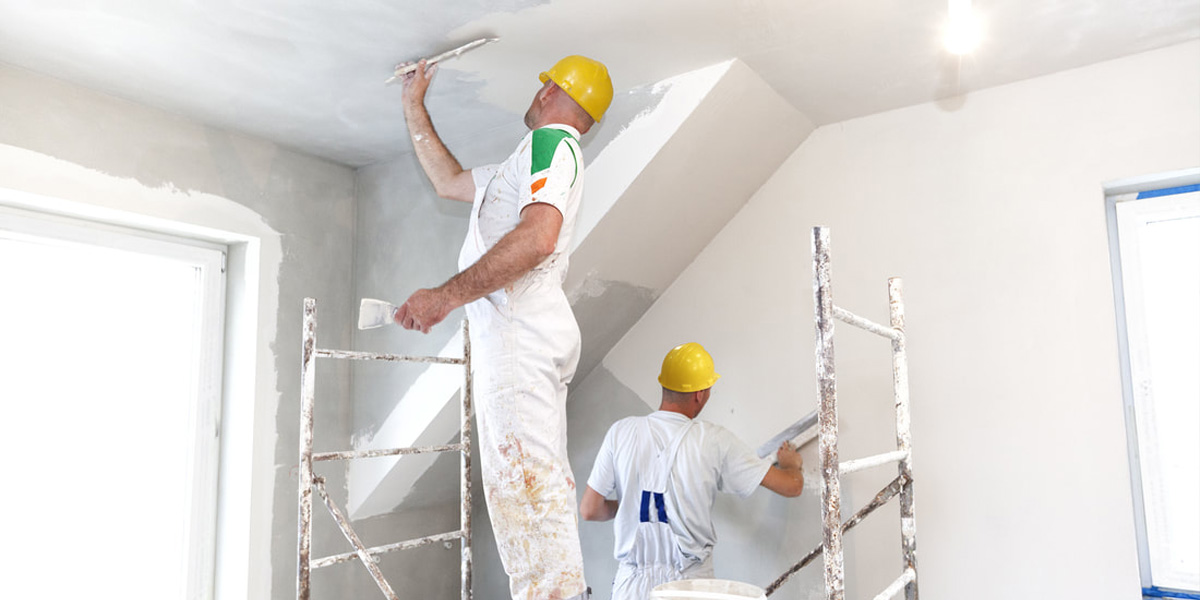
(661,470)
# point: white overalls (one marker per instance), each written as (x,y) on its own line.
(656,556)
(525,346)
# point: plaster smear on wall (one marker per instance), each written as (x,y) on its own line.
(67,188)
(323,64)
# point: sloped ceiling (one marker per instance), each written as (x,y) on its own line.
(309,73)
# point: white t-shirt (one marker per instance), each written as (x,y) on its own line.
(710,460)
(546,167)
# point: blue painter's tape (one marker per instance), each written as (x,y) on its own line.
(1157,592)
(1183,189)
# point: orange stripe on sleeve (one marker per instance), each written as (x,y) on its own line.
(537,185)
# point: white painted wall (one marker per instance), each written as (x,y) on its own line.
(289,221)
(991,209)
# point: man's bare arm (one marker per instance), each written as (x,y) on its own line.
(522,249)
(449,179)
(787,477)
(595,507)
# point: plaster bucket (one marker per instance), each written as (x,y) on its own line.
(708,589)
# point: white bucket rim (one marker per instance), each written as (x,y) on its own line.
(747,592)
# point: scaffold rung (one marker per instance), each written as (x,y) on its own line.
(850,318)
(858,464)
(904,579)
(353,355)
(352,454)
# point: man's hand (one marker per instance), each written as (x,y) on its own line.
(424,309)
(416,84)
(787,477)
(789,457)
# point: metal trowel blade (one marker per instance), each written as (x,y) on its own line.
(374,313)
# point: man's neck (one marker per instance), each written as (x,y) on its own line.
(675,409)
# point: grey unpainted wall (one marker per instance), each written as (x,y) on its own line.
(309,203)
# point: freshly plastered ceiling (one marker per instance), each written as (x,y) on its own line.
(309,74)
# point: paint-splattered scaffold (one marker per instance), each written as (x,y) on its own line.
(831,468)
(308,481)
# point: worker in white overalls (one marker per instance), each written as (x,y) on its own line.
(524,338)
(664,471)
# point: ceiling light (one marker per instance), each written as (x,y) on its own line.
(963,29)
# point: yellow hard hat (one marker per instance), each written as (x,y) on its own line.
(688,368)
(584,80)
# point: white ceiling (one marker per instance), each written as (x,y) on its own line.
(309,73)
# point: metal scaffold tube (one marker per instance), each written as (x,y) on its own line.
(360,549)
(831,491)
(310,482)
(465,462)
(858,464)
(908,520)
(887,493)
(405,545)
(308,374)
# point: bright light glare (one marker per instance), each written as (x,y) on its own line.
(964,30)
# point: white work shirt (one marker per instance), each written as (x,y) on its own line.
(546,167)
(525,348)
(710,460)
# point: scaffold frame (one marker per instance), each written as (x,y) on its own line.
(831,469)
(309,482)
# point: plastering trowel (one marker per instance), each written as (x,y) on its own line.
(374,313)
(405,69)
(805,429)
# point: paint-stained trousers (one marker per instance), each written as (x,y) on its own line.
(524,352)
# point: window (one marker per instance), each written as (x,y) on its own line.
(1156,262)
(111,351)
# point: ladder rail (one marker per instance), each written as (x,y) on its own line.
(308,385)
(831,487)
(466,410)
(908,522)
(309,481)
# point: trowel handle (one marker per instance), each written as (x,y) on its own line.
(429,62)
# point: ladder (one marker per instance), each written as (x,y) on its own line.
(831,469)
(309,482)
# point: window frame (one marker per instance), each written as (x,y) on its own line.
(1142,188)
(204,450)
